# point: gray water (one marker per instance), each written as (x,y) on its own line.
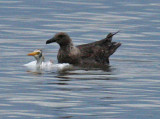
(129,89)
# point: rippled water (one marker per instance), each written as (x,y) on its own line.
(129,89)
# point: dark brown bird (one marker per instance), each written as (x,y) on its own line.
(92,53)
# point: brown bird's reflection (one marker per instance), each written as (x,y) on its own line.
(102,72)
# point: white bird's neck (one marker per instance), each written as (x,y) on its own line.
(39,60)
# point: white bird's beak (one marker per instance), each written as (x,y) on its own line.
(33,53)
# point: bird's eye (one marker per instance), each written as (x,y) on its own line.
(61,36)
(38,53)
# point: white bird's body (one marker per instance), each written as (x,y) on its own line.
(48,66)
(40,64)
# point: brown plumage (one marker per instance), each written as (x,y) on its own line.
(92,53)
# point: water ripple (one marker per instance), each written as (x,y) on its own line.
(128,89)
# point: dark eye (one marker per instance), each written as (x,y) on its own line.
(38,53)
(61,36)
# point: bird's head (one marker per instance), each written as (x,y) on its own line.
(36,53)
(61,38)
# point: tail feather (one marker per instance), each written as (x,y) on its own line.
(110,35)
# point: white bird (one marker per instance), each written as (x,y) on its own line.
(40,64)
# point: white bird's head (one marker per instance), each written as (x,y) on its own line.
(37,55)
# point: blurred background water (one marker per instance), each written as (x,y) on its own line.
(129,89)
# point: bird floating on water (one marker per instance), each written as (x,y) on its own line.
(41,64)
(95,53)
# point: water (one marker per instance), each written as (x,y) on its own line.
(129,89)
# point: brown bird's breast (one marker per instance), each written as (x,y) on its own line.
(71,55)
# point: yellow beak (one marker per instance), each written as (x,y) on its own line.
(33,53)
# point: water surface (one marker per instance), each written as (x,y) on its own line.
(128,89)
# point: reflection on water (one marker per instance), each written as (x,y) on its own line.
(127,89)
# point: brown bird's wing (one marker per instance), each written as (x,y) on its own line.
(99,51)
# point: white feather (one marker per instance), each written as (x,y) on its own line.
(48,66)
